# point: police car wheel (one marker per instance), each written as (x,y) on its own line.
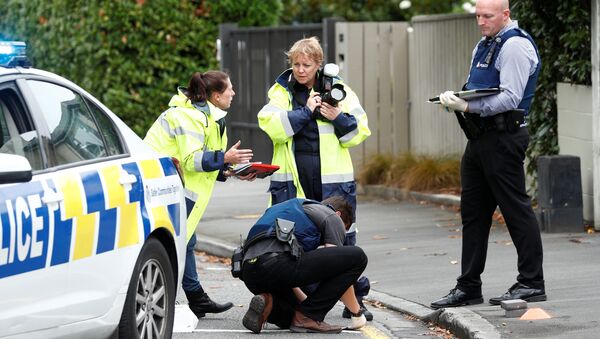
(150,304)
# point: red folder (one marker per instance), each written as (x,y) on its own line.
(261,170)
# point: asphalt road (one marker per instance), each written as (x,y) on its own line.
(219,284)
(414,253)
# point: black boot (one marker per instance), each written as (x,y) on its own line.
(200,303)
(347,314)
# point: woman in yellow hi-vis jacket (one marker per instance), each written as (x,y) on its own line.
(312,149)
(193,131)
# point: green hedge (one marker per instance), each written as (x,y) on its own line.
(561,29)
(129,54)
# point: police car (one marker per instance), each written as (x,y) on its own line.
(92,221)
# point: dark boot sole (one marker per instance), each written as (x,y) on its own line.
(535,298)
(251,319)
(297,329)
(475,301)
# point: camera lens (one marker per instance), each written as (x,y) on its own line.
(337,94)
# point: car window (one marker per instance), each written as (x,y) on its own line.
(74,133)
(108,130)
(17,133)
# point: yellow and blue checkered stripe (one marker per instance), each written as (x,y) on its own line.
(97,215)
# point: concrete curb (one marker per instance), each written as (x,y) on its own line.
(462,322)
(213,246)
(393,193)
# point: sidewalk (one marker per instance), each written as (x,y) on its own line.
(414,257)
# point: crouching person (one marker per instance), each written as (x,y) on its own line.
(296,243)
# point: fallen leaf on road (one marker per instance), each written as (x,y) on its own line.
(504,242)
(379,237)
(499,218)
(247,216)
(454,236)
(577,240)
(436,254)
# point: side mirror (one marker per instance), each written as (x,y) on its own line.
(14,169)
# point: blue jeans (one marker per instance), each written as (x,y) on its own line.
(190,282)
(350,239)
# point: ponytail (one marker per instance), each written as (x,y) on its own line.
(202,85)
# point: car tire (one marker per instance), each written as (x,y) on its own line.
(150,304)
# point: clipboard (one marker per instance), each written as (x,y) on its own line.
(470,94)
(261,170)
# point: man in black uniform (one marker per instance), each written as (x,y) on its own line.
(492,165)
(275,266)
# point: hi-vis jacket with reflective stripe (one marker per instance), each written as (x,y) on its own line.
(192,134)
(336,165)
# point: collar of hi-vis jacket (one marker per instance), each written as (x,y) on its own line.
(287,80)
(181,100)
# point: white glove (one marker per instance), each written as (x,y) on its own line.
(452,103)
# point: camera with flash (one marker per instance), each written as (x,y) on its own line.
(331,93)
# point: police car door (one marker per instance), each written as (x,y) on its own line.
(94,179)
(32,275)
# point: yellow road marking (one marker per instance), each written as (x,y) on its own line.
(373,333)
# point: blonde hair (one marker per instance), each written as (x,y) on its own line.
(307,46)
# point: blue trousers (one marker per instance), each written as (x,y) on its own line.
(190,282)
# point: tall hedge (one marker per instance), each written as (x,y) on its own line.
(561,29)
(129,54)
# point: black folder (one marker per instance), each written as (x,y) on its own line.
(470,94)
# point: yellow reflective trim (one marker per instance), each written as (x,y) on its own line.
(161,219)
(70,186)
(115,192)
(129,225)
(85,228)
(151,169)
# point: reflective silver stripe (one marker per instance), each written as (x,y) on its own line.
(179,131)
(193,196)
(326,129)
(349,135)
(283,116)
(335,178)
(165,125)
(358,111)
(283,177)
(198,161)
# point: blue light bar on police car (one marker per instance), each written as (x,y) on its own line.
(13,53)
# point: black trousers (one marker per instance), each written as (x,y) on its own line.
(492,175)
(335,268)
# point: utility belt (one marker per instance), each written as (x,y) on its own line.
(283,232)
(474,126)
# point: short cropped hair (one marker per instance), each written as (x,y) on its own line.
(341,205)
(307,46)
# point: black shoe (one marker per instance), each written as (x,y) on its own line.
(520,291)
(258,312)
(200,303)
(456,298)
(347,314)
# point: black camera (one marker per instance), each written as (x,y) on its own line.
(330,93)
